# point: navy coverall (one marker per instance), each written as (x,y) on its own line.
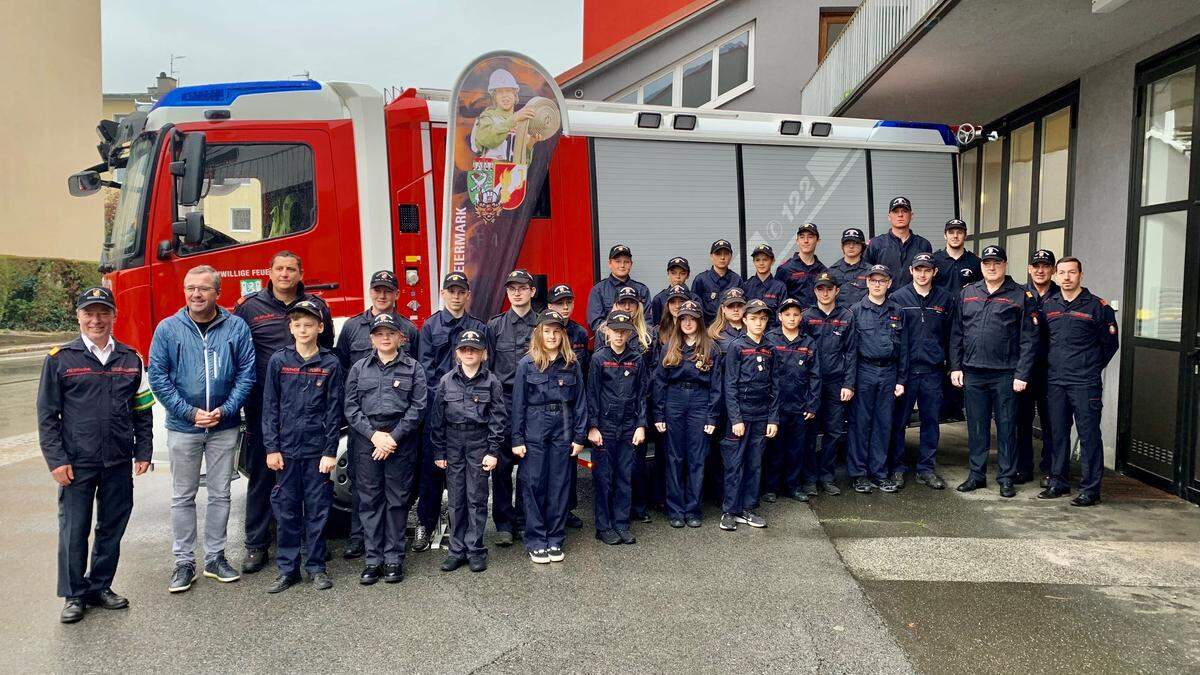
(601,297)
(993,343)
(616,405)
(887,249)
(468,421)
(387,397)
(435,352)
(1083,339)
(687,397)
(302,420)
(927,318)
(835,342)
(549,414)
(267,317)
(772,292)
(508,340)
(852,281)
(1035,396)
(789,463)
(89,417)
(800,277)
(577,335)
(710,286)
(873,370)
(751,398)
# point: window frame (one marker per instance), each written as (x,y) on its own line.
(828,17)
(676,70)
(1034,113)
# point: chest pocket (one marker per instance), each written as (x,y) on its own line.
(467,406)
(360,346)
(390,394)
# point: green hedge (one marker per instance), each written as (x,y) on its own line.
(39,293)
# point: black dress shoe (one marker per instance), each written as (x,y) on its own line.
(573,521)
(478,563)
(452,563)
(971,484)
(256,559)
(1051,493)
(504,538)
(354,550)
(1007,490)
(72,610)
(626,537)
(321,581)
(393,574)
(1085,500)
(106,599)
(283,582)
(609,537)
(693,521)
(675,523)
(931,480)
(370,575)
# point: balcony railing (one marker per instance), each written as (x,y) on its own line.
(877,28)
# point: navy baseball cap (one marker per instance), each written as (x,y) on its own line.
(384,320)
(721,245)
(626,293)
(681,263)
(384,279)
(755,306)
(307,307)
(923,260)
(825,279)
(518,277)
(879,269)
(853,234)
(456,280)
(733,296)
(1042,256)
(899,203)
(561,292)
(956,224)
(993,252)
(551,317)
(764,249)
(678,291)
(96,295)
(788,303)
(470,338)
(619,321)
(690,308)
(808,227)
(619,250)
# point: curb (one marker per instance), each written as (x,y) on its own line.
(24,349)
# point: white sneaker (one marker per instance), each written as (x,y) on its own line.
(539,556)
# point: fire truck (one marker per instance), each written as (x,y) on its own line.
(228,174)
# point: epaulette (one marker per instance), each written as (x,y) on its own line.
(54,351)
(1103,302)
(1029,294)
(241,300)
(495,317)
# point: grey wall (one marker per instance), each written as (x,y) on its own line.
(785,52)
(1102,165)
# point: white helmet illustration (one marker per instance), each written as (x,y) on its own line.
(501,79)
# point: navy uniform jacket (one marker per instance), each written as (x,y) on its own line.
(1083,338)
(727,335)
(478,401)
(688,374)
(508,340)
(1043,337)
(852,281)
(953,274)
(880,335)
(578,337)
(835,341)
(354,341)
(798,370)
(995,331)
(772,292)
(560,385)
(751,389)
(659,305)
(89,414)
(302,404)
(600,299)
(268,321)
(887,249)
(709,288)
(386,397)
(617,390)
(438,340)
(800,278)
(927,319)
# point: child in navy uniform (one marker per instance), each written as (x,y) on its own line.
(616,404)
(549,428)
(562,300)
(302,420)
(467,423)
(789,466)
(828,324)
(752,403)
(385,401)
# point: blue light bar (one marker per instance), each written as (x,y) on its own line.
(944,130)
(225,94)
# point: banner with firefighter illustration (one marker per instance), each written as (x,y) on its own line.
(506,116)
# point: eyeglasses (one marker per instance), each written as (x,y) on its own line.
(198,289)
(877,280)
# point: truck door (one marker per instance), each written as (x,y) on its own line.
(266,190)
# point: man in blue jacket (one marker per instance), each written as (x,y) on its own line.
(201,371)
(897,247)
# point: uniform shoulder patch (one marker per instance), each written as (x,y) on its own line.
(53,351)
(1103,302)
(241,300)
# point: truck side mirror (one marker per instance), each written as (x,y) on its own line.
(84,183)
(191,228)
(188,168)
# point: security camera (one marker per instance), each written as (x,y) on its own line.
(993,136)
(578,93)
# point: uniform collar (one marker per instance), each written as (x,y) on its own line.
(529,318)
(462,375)
(614,281)
(91,347)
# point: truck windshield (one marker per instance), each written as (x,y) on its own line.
(123,245)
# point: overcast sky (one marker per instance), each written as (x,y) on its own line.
(422,43)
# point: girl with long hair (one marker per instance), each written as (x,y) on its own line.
(729,325)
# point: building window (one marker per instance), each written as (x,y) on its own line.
(706,78)
(1017,187)
(833,22)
